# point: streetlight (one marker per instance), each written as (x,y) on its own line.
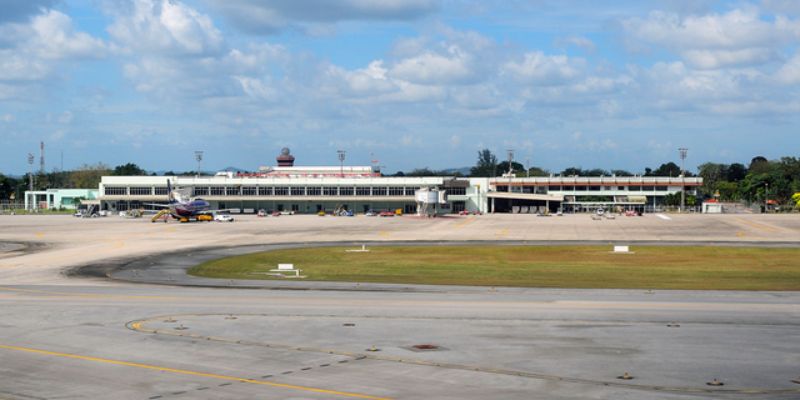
(683,151)
(30,180)
(198,156)
(341,161)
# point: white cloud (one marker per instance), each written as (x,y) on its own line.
(540,69)
(369,81)
(716,59)
(577,41)
(739,37)
(54,37)
(262,17)
(35,50)
(430,68)
(166,26)
(789,73)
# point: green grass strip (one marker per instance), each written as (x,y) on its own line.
(692,268)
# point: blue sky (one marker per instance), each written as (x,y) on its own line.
(412,83)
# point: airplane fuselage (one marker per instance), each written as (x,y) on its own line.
(191,208)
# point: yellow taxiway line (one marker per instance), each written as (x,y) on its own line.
(192,373)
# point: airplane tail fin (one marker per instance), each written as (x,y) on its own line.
(169,191)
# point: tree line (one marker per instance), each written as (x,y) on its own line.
(760,180)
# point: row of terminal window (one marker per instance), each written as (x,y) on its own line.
(270,191)
(607,188)
(540,189)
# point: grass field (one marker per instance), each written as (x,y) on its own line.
(706,268)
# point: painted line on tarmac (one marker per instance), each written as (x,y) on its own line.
(90,295)
(191,373)
(465,222)
(138,326)
(759,226)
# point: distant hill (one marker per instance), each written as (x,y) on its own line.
(463,170)
(231,169)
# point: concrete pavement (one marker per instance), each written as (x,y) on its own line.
(90,337)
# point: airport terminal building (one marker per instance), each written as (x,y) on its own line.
(360,189)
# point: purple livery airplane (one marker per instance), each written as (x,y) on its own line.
(184,208)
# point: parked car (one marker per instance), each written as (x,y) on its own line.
(386,213)
(223,218)
(262,213)
(370,213)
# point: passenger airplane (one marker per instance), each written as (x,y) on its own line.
(182,207)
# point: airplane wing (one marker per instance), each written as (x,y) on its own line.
(157,205)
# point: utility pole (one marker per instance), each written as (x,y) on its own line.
(528,167)
(198,156)
(683,151)
(510,160)
(766,197)
(341,154)
(41,157)
(30,181)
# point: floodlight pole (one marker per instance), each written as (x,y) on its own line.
(683,151)
(198,156)
(30,180)
(341,162)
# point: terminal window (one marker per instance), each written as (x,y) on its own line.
(232,191)
(346,191)
(196,191)
(249,191)
(330,191)
(217,191)
(163,191)
(395,191)
(379,191)
(661,188)
(410,191)
(141,191)
(281,191)
(457,191)
(298,191)
(313,191)
(362,191)
(116,191)
(265,191)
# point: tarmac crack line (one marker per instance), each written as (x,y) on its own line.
(138,326)
(192,373)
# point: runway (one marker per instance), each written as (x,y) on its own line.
(90,337)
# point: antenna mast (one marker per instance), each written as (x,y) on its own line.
(41,157)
